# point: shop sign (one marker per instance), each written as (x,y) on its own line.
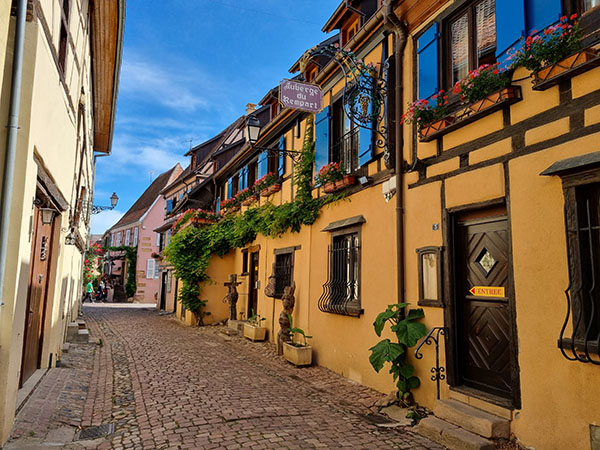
(487,291)
(302,96)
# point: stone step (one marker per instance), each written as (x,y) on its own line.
(452,436)
(472,419)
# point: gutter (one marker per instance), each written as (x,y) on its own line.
(400,33)
(11,140)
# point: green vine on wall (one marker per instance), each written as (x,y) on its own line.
(191,249)
(131,256)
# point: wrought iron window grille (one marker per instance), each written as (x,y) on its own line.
(346,149)
(341,291)
(283,272)
(582,224)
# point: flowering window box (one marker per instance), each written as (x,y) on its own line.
(202,221)
(249,201)
(270,190)
(348,180)
(475,111)
(575,64)
(436,126)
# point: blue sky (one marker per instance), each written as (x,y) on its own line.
(189,69)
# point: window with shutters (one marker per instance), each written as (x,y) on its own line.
(135,236)
(127,237)
(150,268)
(471,39)
(118,239)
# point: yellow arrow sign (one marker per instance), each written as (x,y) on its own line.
(487,291)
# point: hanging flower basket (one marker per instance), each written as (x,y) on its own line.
(547,73)
(509,92)
(348,180)
(270,190)
(436,126)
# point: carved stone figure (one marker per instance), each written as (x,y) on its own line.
(270,287)
(232,295)
(288,302)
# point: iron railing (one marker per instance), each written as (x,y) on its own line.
(433,337)
(341,294)
(283,273)
(583,292)
(346,150)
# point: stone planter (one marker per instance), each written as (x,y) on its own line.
(436,126)
(270,190)
(299,356)
(348,180)
(255,333)
(546,74)
(492,99)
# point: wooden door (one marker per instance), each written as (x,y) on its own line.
(36,297)
(163,291)
(253,285)
(484,328)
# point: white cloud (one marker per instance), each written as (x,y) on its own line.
(104,220)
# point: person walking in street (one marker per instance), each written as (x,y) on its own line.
(89,292)
(101,293)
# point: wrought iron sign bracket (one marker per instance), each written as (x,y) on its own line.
(295,155)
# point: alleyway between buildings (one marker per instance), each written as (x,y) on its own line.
(164,385)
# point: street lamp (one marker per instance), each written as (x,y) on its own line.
(113,202)
(252,129)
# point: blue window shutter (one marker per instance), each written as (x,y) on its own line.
(218,207)
(510,26)
(427,53)
(229,188)
(170,206)
(242,178)
(281,164)
(246,176)
(365,140)
(540,14)
(263,164)
(322,138)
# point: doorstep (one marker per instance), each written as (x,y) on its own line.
(28,387)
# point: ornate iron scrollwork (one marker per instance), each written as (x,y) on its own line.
(365,91)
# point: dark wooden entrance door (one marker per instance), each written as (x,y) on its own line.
(163,291)
(253,285)
(36,297)
(485,343)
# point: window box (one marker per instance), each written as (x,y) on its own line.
(299,356)
(231,209)
(249,201)
(348,180)
(255,333)
(573,65)
(202,221)
(436,126)
(270,190)
(490,104)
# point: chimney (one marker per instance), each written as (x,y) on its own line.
(250,108)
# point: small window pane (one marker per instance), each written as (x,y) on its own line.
(430,280)
(459,41)
(589,4)
(485,16)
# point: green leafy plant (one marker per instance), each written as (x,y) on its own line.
(481,82)
(294,331)
(265,181)
(408,332)
(553,45)
(255,319)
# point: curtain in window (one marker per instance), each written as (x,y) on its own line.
(459,42)
(485,18)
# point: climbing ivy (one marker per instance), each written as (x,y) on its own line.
(191,248)
(131,256)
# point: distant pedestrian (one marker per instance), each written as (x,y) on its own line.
(101,292)
(89,292)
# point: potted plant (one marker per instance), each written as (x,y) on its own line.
(484,87)
(429,118)
(298,353)
(267,185)
(203,217)
(554,51)
(333,178)
(155,255)
(231,205)
(253,329)
(246,197)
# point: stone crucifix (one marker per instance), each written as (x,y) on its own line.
(232,295)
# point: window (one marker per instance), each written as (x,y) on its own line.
(345,139)
(471,39)
(284,269)
(430,276)
(127,237)
(118,239)
(64,35)
(350,31)
(245,261)
(135,236)
(152,269)
(579,337)
(341,291)
(158,235)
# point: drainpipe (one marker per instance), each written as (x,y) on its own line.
(399,33)
(11,140)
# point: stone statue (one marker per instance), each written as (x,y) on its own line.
(284,321)
(270,287)
(232,295)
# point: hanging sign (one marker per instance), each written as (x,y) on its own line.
(487,291)
(298,95)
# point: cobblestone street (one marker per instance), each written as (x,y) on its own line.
(164,385)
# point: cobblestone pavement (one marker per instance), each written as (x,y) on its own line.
(167,386)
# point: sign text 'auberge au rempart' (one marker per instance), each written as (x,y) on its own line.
(303,96)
